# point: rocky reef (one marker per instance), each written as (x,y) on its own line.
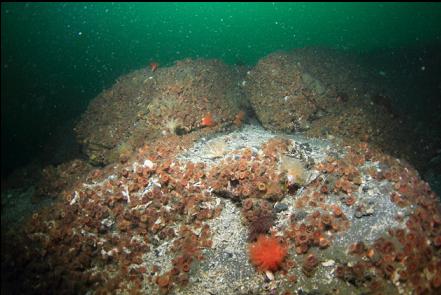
(201,178)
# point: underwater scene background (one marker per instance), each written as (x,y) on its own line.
(221,148)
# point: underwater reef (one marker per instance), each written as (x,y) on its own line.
(291,177)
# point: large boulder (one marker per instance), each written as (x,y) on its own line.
(326,93)
(289,90)
(143,105)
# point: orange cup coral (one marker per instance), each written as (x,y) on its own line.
(267,253)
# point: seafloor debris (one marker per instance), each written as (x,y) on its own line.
(169,220)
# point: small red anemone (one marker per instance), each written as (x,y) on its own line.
(267,253)
(153,66)
(208,121)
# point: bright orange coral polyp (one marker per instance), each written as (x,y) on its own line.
(267,253)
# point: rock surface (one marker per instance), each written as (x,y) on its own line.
(360,222)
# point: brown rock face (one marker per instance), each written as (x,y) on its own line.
(143,105)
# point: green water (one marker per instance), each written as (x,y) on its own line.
(57,56)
